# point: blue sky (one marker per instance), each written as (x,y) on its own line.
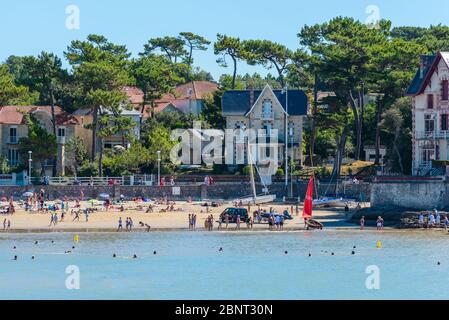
(29,26)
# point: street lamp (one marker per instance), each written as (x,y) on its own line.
(290,133)
(159,167)
(29,166)
(285,90)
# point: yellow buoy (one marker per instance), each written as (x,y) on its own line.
(379,244)
(76,238)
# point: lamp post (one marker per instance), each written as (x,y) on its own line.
(30,160)
(290,132)
(285,90)
(159,167)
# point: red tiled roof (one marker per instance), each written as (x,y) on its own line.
(198,89)
(135,95)
(15,114)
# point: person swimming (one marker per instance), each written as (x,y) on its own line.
(135,256)
(114,255)
(15,258)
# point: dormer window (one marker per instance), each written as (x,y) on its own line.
(267,109)
(445,90)
(430,101)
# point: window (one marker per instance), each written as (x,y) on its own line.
(445,90)
(429,123)
(430,101)
(266,110)
(13,157)
(61,132)
(444,122)
(13,135)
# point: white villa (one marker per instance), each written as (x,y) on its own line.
(430,103)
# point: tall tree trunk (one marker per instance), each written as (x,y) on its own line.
(341,145)
(312,121)
(94,133)
(395,146)
(355,111)
(234,76)
(100,159)
(377,138)
(53,120)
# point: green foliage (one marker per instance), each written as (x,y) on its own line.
(77,152)
(155,76)
(89,169)
(212,112)
(10,93)
(39,141)
(130,161)
(280,172)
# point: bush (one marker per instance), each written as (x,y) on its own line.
(89,169)
(280,172)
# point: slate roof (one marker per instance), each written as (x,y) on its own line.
(237,102)
(428,63)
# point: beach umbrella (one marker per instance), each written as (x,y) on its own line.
(27,194)
(104,195)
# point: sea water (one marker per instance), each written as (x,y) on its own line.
(252,265)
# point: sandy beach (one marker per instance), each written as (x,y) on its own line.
(107,221)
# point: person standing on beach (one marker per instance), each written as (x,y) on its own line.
(190,222)
(227,220)
(238,222)
(8,227)
(421,220)
(51,219)
(380,223)
(4,224)
(446,222)
(362,223)
(130,224)
(77,216)
(55,219)
(120,224)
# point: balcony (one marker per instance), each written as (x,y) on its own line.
(431,135)
(267,116)
(61,140)
(13,140)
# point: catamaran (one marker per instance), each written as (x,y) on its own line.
(308,208)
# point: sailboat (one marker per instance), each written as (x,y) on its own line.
(308,208)
(255,199)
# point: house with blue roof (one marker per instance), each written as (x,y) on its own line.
(430,109)
(269,109)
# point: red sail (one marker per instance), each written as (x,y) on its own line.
(307,211)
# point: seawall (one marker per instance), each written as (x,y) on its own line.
(221,190)
(423,195)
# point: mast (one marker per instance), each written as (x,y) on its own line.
(251,173)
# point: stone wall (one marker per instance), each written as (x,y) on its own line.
(410,195)
(223,190)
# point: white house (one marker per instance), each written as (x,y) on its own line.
(430,106)
(268,109)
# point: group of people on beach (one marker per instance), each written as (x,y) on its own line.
(192,221)
(433,219)
(129,224)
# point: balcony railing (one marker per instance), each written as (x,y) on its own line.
(13,139)
(430,135)
(267,116)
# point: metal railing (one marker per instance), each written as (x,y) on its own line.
(430,135)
